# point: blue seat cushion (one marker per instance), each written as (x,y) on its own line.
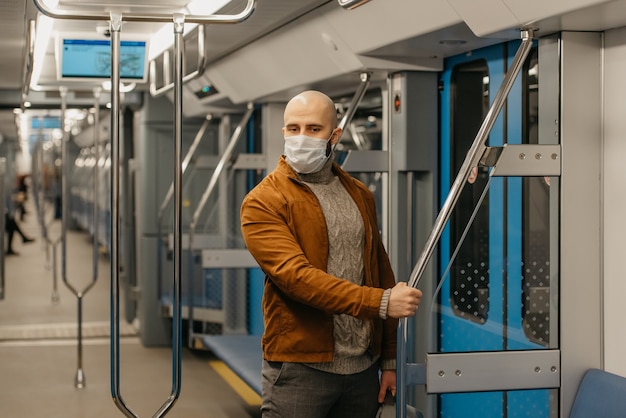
(600,394)
(241,353)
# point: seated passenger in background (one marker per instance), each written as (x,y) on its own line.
(330,301)
(22,195)
(10,224)
(11,227)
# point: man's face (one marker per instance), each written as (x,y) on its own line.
(307,118)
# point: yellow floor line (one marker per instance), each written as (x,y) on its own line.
(247,394)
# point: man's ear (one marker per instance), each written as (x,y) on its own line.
(336,135)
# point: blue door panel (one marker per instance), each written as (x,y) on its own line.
(502,327)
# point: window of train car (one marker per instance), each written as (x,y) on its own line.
(535,222)
(469,273)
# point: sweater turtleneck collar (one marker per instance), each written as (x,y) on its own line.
(323,176)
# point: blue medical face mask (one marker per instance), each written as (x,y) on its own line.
(306,154)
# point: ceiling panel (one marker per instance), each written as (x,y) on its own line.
(224,39)
(12,42)
(221,39)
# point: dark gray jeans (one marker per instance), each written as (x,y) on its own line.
(293,390)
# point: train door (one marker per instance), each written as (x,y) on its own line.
(494,265)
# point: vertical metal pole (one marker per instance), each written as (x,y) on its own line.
(79,380)
(96,181)
(170,192)
(2,222)
(177,336)
(473,156)
(115,27)
(80,374)
(64,178)
(179,22)
(55,297)
(52,264)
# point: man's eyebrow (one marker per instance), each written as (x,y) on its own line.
(307,125)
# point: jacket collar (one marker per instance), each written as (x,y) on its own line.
(285,169)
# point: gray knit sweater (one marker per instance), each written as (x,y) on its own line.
(345,260)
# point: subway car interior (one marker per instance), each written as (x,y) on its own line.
(491,134)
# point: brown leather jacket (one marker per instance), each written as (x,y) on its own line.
(285,231)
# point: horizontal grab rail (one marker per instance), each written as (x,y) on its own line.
(147,17)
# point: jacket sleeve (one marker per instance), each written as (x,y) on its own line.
(387,280)
(272,242)
(390,325)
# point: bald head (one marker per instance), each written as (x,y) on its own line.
(311,113)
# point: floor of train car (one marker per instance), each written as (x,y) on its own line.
(39,355)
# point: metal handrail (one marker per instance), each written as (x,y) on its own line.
(472,158)
(79,381)
(168,196)
(354,104)
(179,22)
(116,26)
(96,183)
(201,66)
(27,69)
(38,194)
(190,153)
(228,152)
(346,120)
(227,156)
(2,222)
(149,17)
(115,19)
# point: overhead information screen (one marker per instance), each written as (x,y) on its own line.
(82,59)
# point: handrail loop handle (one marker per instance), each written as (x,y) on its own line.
(151,17)
(178,21)
(79,380)
(201,66)
(115,27)
(472,158)
(177,336)
(27,69)
(38,194)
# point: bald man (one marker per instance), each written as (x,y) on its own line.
(330,301)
